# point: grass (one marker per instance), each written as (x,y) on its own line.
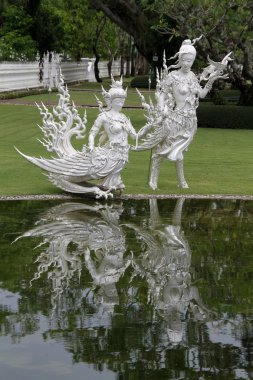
(81,97)
(219,161)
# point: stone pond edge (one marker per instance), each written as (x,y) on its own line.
(125,197)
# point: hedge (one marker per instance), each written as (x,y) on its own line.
(225,116)
(22,93)
(142,81)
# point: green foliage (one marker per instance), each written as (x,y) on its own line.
(76,20)
(63,26)
(48,28)
(218,99)
(16,42)
(218,23)
(86,29)
(23,93)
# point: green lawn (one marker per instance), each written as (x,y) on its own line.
(219,161)
(81,98)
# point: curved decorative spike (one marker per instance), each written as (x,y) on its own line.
(197,39)
(113,80)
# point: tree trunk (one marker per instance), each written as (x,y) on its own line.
(128,64)
(133,60)
(246,97)
(109,66)
(96,69)
(122,64)
(239,81)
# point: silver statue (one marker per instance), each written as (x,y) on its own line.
(73,170)
(172,122)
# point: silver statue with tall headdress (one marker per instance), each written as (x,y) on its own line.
(171,121)
(73,170)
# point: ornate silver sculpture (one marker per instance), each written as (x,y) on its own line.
(78,235)
(73,170)
(172,122)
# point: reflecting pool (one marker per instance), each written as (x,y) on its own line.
(128,290)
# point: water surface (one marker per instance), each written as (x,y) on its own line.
(126,290)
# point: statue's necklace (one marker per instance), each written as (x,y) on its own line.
(115,117)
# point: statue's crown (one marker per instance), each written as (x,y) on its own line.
(116,90)
(187,46)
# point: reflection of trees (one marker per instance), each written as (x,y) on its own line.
(18,325)
(226,240)
(133,304)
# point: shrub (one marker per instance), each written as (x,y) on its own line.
(218,98)
(227,116)
(21,93)
(142,81)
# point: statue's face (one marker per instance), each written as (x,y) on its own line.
(117,103)
(186,61)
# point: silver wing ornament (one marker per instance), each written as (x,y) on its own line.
(72,173)
(153,131)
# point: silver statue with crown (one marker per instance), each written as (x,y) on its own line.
(96,168)
(171,121)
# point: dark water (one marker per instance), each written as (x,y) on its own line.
(130,290)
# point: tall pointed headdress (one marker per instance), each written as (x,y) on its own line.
(116,91)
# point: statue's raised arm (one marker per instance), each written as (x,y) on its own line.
(171,121)
(73,170)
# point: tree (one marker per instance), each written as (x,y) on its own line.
(48,28)
(227,26)
(111,42)
(28,26)
(69,27)
(3,5)
(97,30)
(90,32)
(16,42)
(135,18)
(159,25)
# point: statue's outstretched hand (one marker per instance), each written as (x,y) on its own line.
(144,130)
(152,124)
(217,75)
(213,77)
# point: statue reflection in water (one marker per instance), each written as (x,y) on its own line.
(91,236)
(79,235)
(165,264)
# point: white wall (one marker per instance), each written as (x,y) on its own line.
(16,76)
(24,75)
